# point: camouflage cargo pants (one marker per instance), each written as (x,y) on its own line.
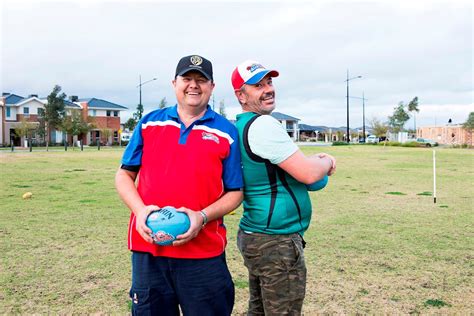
(277,272)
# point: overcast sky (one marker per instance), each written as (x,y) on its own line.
(99,49)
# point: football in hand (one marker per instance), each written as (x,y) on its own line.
(318,185)
(167,223)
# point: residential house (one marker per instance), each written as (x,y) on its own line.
(324,133)
(290,123)
(15,108)
(105,116)
(313,133)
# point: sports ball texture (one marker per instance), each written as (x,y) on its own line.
(318,185)
(167,223)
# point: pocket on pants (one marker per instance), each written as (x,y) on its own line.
(299,249)
(291,253)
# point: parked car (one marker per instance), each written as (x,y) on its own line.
(125,138)
(427,142)
(372,139)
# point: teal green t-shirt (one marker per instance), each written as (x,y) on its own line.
(274,202)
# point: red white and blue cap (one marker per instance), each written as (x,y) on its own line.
(250,72)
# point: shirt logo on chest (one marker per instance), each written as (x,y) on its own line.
(209,136)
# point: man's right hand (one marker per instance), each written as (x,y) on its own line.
(140,222)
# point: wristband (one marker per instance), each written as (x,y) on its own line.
(204,218)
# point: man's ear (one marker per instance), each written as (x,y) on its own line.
(240,96)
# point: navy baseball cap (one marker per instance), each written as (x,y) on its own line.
(194,63)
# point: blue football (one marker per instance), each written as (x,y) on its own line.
(167,223)
(318,185)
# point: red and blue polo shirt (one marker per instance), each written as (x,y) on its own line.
(178,166)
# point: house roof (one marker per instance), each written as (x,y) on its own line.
(306,127)
(95,103)
(26,100)
(67,103)
(13,98)
(281,116)
(72,104)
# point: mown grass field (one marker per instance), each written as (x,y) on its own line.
(377,243)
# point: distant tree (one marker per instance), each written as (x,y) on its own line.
(222,108)
(106,133)
(413,107)
(379,128)
(41,128)
(25,128)
(469,125)
(328,132)
(398,119)
(139,113)
(163,103)
(54,112)
(130,124)
(354,135)
(75,124)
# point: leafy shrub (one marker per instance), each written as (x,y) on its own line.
(412,144)
(460,146)
(339,143)
(389,143)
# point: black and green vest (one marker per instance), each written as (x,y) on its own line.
(274,202)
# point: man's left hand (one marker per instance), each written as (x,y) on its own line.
(332,170)
(196,221)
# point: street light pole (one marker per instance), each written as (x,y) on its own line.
(347,126)
(363,116)
(140,87)
(363,113)
(347,86)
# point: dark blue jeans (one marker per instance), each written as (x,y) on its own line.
(199,286)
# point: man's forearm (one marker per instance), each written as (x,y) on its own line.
(226,204)
(125,185)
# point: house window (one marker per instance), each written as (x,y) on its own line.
(115,113)
(115,136)
(26,111)
(108,112)
(97,134)
(92,112)
(8,111)
(41,112)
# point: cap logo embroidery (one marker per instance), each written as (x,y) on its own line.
(254,67)
(196,60)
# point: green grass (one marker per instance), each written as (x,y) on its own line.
(64,250)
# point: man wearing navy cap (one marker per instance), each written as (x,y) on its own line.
(185,156)
(277,207)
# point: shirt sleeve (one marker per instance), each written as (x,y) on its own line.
(132,157)
(269,140)
(232,166)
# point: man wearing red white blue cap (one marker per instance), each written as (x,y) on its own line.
(277,207)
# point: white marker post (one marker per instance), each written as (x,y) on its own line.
(434,176)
